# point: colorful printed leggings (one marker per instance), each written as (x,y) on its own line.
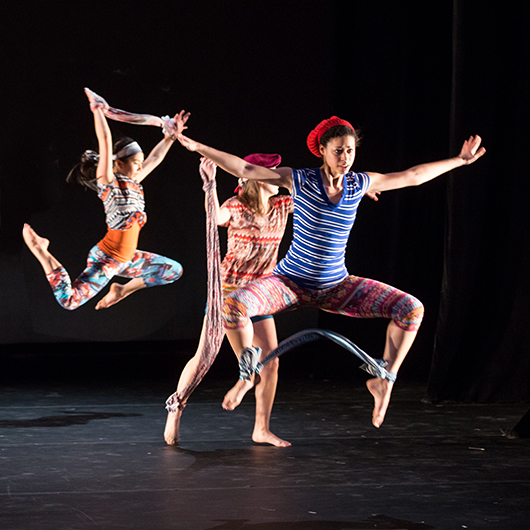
(152,268)
(354,296)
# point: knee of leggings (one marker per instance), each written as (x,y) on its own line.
(70,304)
(234,313)
(71,301)
(180,270)
(409,313)
(175,272)
(172,272)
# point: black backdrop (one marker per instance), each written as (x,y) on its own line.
(481,348)
(257,77)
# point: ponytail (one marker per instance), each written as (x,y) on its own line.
(84,173)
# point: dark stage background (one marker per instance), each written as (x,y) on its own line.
(257,76)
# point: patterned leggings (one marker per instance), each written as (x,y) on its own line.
(100,269)
(354,296)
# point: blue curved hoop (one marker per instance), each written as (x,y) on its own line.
(375,367)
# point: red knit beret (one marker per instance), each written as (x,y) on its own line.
(259,159)
(313,140)
(264,160)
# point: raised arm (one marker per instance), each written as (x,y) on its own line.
(470,152)
(159,152)
(208,170)
(238,167)
(104,172)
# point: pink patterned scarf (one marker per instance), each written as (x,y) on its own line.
(165,122)
(214,331)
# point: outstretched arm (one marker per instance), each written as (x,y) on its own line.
(208,170)
(237,166)
(470,152)
(159,152)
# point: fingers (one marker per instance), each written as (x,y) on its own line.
(208,169)
(206,162)
(182,116)
(475,143)
(480,152)
(471,150)
(474,147)
(96,106)
(180,119)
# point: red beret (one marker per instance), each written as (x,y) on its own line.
(264,160)
(313,140)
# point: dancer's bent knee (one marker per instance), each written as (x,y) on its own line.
(164,272)
(408,313)
(266,296)
(173,272)
(234,313)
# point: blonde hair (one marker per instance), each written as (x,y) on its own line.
(251,196)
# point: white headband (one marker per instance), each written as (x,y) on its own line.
(127,151)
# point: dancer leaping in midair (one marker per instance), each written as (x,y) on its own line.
(115,173)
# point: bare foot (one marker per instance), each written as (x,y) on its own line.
(114,295)
(381,390)
(234,396)
(38,245)
(171,432)
(266,437)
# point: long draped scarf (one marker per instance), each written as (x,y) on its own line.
(214,331)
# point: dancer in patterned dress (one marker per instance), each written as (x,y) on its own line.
(116,178)
(313,271)
(256,220)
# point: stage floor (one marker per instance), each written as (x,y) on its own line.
(81,454)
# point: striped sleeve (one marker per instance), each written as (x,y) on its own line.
(316,258)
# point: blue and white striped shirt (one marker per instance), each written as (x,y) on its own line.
(316,257)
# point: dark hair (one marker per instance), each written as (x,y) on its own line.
(337,131)
(84,172)
(120,144)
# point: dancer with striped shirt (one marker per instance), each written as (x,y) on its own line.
(116,179)
(313,271)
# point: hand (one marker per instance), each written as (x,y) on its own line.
(208,169)
(174,126)
(180,120)
(470,150)
(188,143)
(374,195)
(96,102)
